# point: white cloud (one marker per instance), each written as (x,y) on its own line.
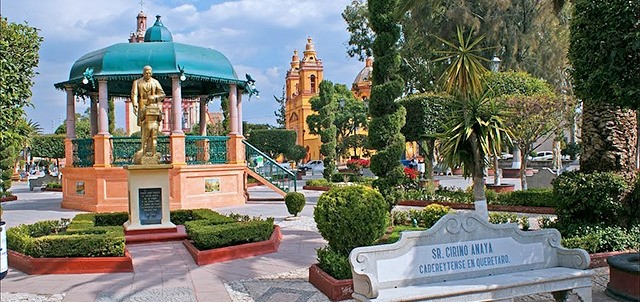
(258,37)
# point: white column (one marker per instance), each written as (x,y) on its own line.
(71,113)
(240,112)
(233,109)
(93,115)
(203,115)
(103,107)
(176,104)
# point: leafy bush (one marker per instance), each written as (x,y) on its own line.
(53,185)
(206,235)
(530,197)
(586,199)
(424,218)
(345,177)
(597,239)
(295,201)
(522,222)
(318,183)
(348,217)
(334,264)
(455,195)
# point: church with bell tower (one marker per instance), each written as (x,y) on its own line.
(302,81)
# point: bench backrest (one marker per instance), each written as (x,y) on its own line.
(459,246)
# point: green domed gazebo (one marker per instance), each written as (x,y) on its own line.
(94,179)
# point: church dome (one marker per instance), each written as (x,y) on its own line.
(365,74)
(158,33)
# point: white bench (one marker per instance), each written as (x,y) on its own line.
(465,258)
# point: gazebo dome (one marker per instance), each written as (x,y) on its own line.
(206,71)
(158,33)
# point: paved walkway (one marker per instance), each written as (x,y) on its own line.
(166,272)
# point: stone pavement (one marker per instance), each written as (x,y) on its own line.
(166,271)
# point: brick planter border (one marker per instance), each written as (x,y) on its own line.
(77,265)
(237,251)
(8,198)
(600,259)
(316,188)
(335,290)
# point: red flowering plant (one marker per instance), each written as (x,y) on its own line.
(410,173)
(356,165)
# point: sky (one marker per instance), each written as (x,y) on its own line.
(257,36)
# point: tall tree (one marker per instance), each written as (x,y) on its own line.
(323,124)
(426,115)
(528,35)
(19,46)
(605,54)
(536,112)
(349,118)
(476,129)
(273,142)
(387,115)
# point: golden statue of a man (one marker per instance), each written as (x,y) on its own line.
(147,96)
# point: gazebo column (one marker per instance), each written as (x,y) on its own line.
(240,130)
(203,115)
(235,147)
(177,138)
(93,115)
(102,146)
(71,126)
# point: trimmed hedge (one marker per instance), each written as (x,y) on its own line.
(206,235)
(102,234)
(46,239)
(182,216)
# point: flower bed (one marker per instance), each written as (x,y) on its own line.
(8,198)
(335,290)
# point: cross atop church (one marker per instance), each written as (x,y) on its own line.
(141,5)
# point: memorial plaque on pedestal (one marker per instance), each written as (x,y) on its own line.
(150,205)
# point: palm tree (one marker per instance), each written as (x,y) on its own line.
(476,129)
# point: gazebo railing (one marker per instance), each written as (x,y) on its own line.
(198,150)
(269,169)
(201,150)
(123,149)
(83,152)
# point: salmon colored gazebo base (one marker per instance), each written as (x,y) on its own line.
(104,189)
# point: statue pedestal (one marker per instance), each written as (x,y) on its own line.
(148,198)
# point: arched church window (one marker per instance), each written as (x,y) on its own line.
(313,83)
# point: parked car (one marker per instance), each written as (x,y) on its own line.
(506,155)
(313,165)
(542,156)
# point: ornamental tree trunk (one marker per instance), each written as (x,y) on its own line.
(610,138)
(479,197)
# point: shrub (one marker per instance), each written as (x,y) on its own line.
(318,183)
(586,199)
(598,239)
(182,216)
(348,217)
(497,217)
(47,239)
(345,177)
(530,197)
(425,218)
(53,185)
(455,195)
(209,236)
(334,264)
(295,201)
